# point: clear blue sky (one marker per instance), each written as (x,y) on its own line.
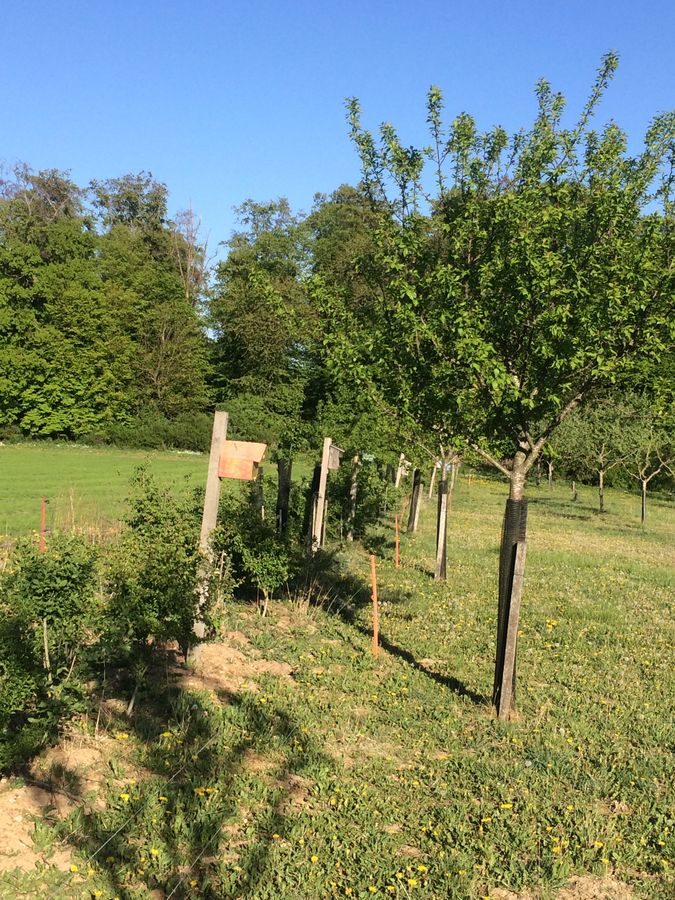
(226,99)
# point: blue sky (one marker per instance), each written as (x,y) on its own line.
(224,99)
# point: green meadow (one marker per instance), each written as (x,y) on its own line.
(291,763)
(86,487)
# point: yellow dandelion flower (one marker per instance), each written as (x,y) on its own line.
(121,736)
(556,849)
(412,882)
(372,889)
(506,805)
(125,797)
(598,844)
(154,851)
(163,799)
(74,868)
(422,868)
(314,859)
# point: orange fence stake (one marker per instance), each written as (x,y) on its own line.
(43,523)
(376,623)
(396,556)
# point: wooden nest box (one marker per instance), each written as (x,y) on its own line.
(240,459)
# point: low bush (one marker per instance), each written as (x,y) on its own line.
(50,628)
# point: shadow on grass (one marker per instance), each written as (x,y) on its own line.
(213,794)
(334,581)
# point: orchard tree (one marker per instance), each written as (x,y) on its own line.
(533,275)
(593,440)
(650,443)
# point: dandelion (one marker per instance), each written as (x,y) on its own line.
(422,868)
(372,889)
(125,797)
(276,837)
(154,851)
(314,859)
(163,799)
(412,882)
(598,844)
(74,868)
(506,805)
(121,736)
(556,849)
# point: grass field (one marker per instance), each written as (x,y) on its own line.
(292,764)
(86,487)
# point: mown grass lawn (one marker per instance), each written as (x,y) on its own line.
(357,777)
(86,487)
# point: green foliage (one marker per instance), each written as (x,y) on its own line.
(262,559)
(96,325)
(154,572)
(538,273)
(373,494)
(50,628)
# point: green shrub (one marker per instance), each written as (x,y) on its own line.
(50,626)
(154,571)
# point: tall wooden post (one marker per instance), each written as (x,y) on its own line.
(511,572)
(400,470)
(353,489)
(432,480)
(43,524)
(212,495)
(284,467)
(442,527)
(210,513)
(320,498)
(415,501)
(259,493)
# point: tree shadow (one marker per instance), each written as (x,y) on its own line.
(333,578)
(180,829)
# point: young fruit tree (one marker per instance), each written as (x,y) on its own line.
(515,280)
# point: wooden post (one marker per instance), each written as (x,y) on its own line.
(508,680)
(376,624)
(43,524)
(210,513)
(550,477)
(284,467)
(415,500)
(574,491)
(400,470)
(353,490)
(397,561)
(320,499)
(454,471)
(432,480)
(511,570)
(442,527)
(259,493)
(212,494)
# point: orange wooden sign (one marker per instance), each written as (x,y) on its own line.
(239,459)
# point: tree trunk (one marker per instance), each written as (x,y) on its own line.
(601,489)
(415,500)
(550,477)
(538,472)
(442,527)
(284,467)
(353,488)
(643,515)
